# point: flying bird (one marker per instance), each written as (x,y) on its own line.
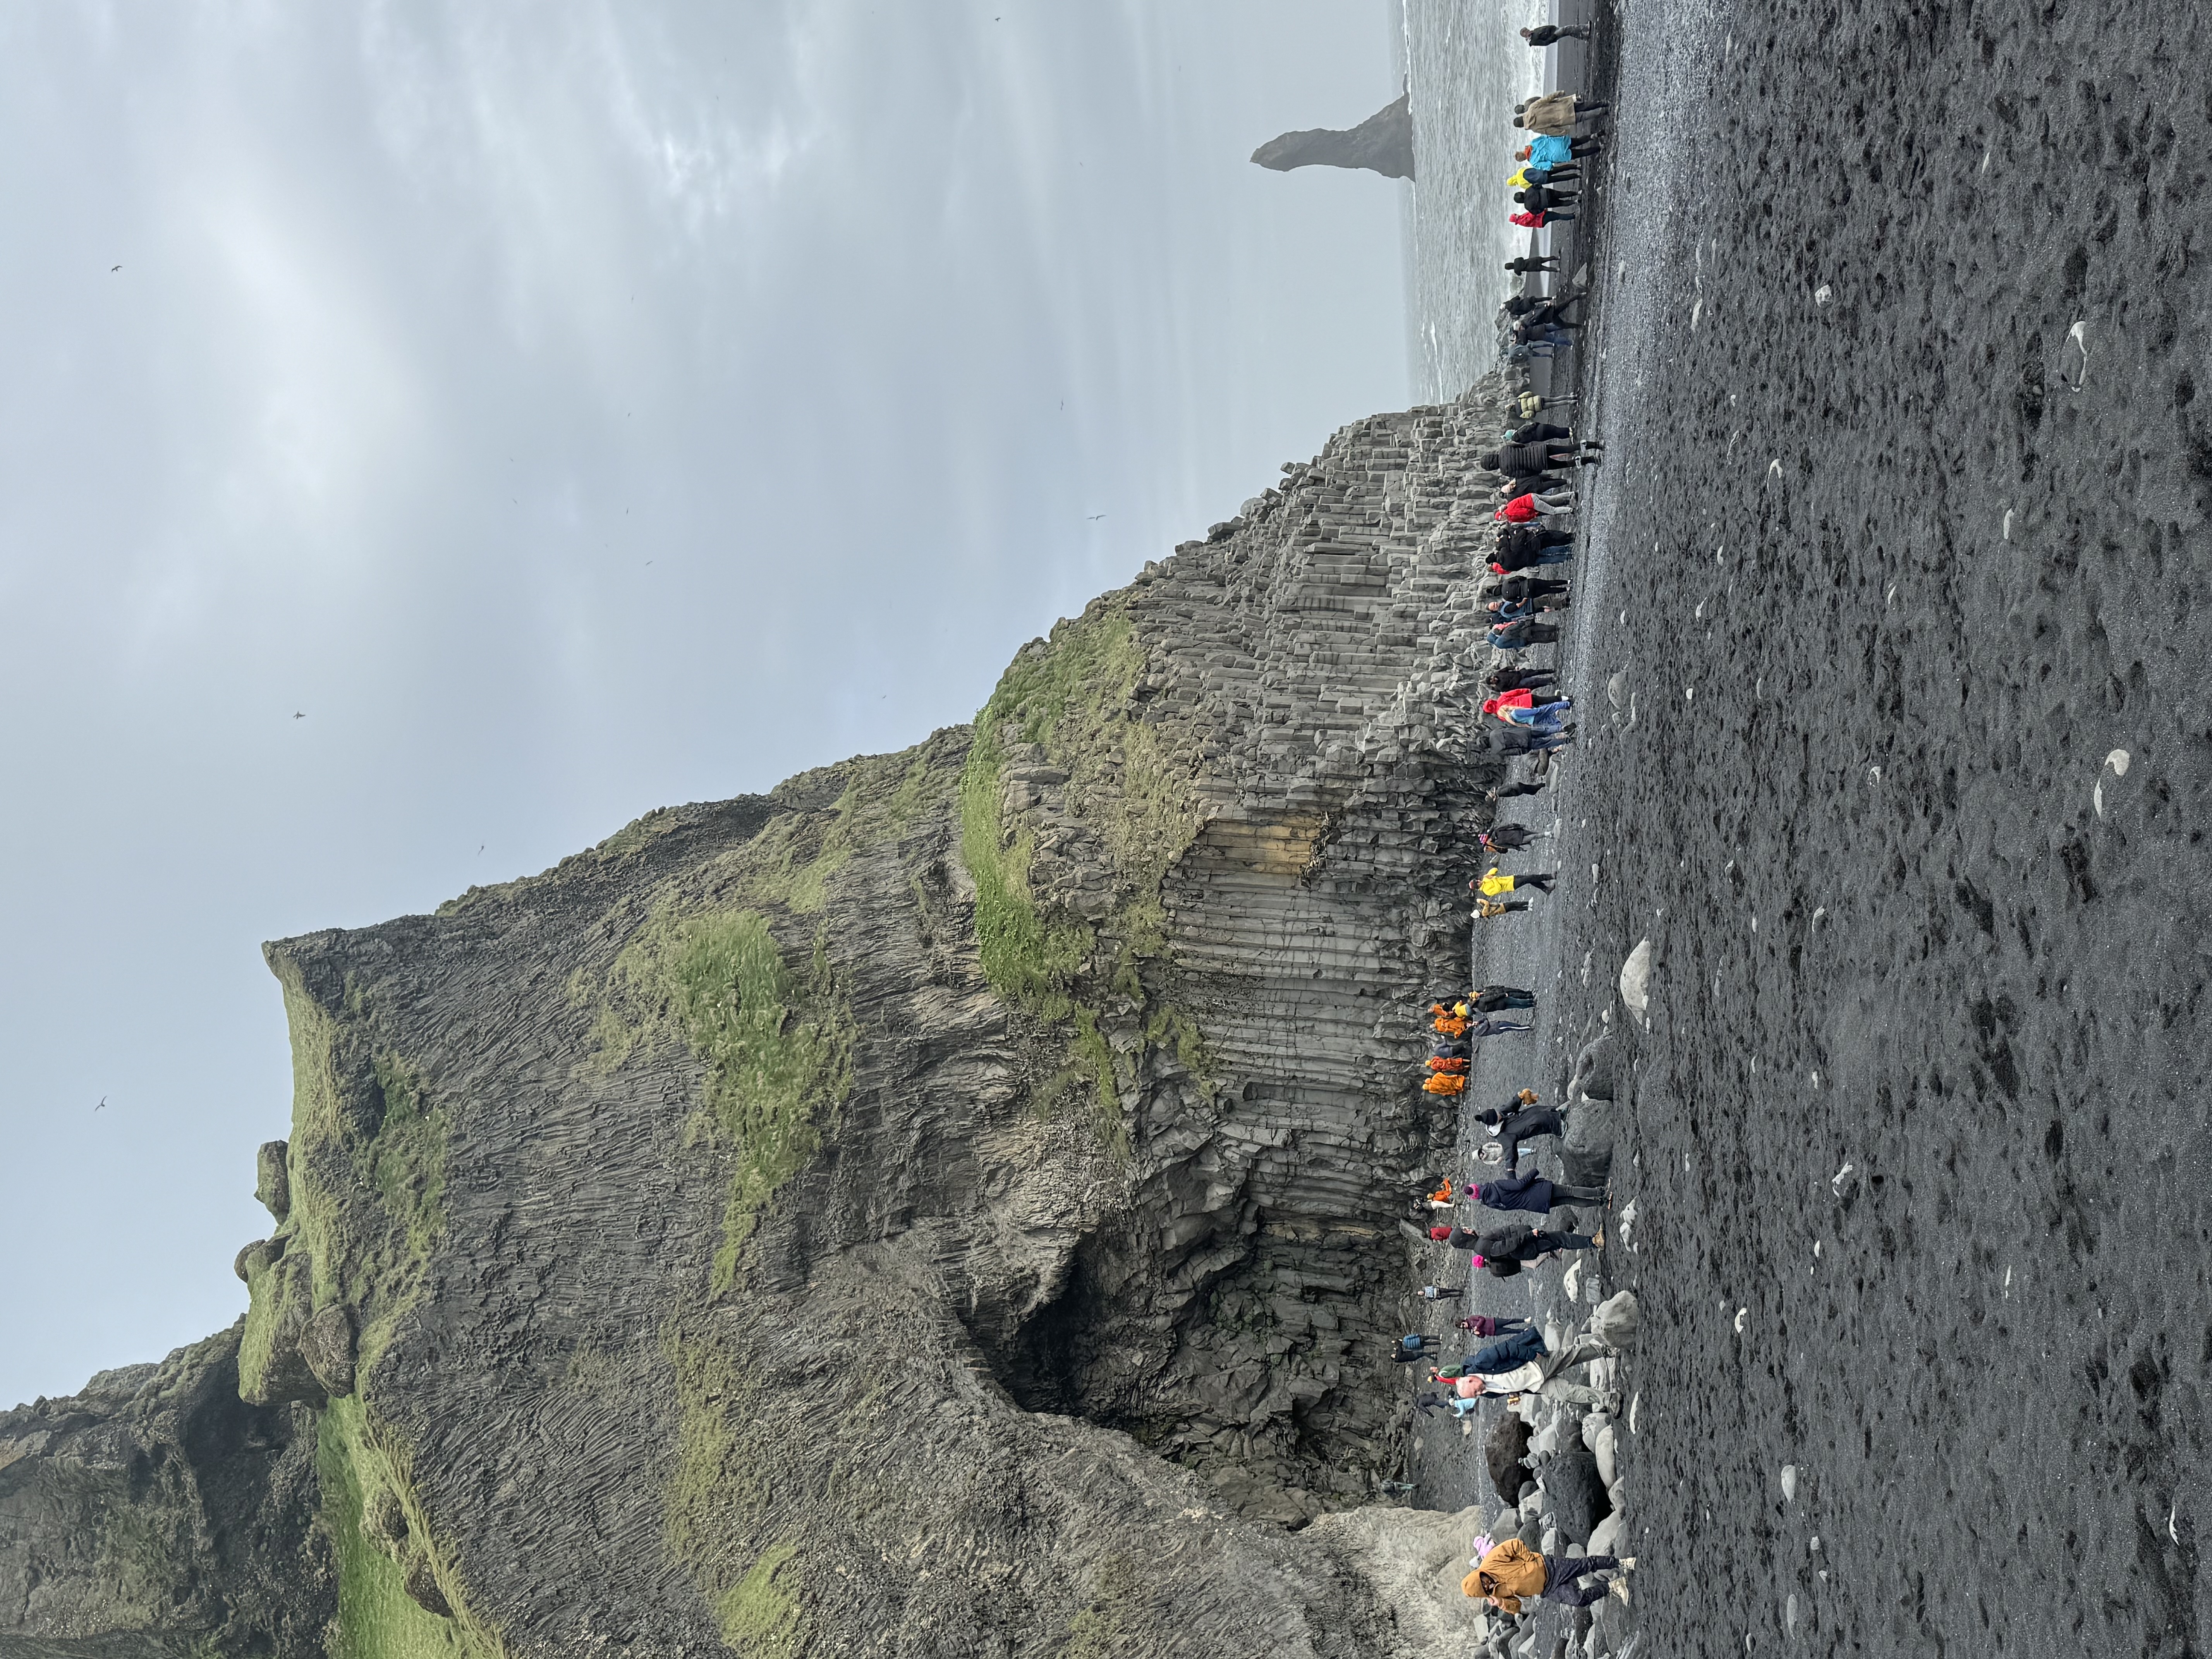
(103,1104)
(480,846)
(299,717)
(114,268)
(1094,517)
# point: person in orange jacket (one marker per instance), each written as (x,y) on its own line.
(1445,1083)
(1450,1021)
(1512,1571)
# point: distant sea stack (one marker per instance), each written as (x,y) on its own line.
(1382,143)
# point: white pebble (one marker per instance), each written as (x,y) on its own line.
(1822,295)
(1741,1314)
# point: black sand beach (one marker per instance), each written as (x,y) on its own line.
(1897,579)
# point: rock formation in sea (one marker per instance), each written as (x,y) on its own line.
(946,1205)
(1383,143)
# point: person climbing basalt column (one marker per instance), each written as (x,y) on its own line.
(1512,1573)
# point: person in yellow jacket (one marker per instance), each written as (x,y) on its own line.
(1448,1021)
(1513,1571)
(1494,885)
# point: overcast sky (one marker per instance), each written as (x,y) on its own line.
(569,410)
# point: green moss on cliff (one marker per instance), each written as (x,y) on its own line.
(377,1619)
(362,1123)
(1073,699)
(778,1047)
(717,1506)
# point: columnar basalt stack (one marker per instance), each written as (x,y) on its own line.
(756,1231)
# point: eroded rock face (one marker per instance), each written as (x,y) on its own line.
(155,1509)
(1382,143)
(945,1204)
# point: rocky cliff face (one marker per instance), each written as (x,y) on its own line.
(945,1206)
(1382,143)
(157,1510)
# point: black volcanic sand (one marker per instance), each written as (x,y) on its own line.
(1893,929)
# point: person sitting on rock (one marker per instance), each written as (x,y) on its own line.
(1442,1198)
(1512,1573)
(1442,1292)
(1491,910)
(1448,1064)
(1446,1082)
(1448,1021)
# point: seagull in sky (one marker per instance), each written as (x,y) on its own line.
(112,269)
(1094,517)
(103,1104)
(299,717)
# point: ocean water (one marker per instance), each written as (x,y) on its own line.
(1466,68)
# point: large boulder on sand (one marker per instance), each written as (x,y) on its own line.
(1506,1453)
(1577,1496)
(1617,1320)
(1586,1147)
(1594,1071)
(1636,977)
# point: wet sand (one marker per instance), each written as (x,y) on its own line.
(1910,914)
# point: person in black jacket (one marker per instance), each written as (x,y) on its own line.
(1519,679)
(1542,199)
(1509,790)
(1509,838)
(1522,587)
(1546,35)
(1527,264)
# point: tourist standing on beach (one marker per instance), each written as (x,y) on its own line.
(1546,35)
(1533,1194)
(1495,884)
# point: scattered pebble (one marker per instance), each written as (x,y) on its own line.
(2073,356)
(1874,774)
(1741,1314)
(1819,911)
(1774,467)
(1632,1406)
(1689,694)
(1789,1482)
(1822,295)
(1841,1177)
(2117,759)
(1790,1616)
(2007,531)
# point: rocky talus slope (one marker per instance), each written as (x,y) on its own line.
(943,1206)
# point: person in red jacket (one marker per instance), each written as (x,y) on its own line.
(1525,509)
(1538,220)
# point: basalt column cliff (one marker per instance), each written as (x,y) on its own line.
(945,1206)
